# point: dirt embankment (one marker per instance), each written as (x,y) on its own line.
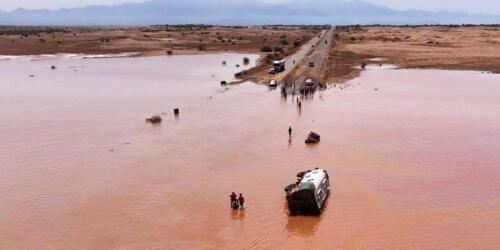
(153,40)
(440,47)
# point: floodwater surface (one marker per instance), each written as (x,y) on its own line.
(413,156)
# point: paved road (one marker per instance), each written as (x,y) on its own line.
(299,56)
(319,57)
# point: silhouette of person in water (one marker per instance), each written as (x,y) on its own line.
(290,131)
(241,200)
(233,197)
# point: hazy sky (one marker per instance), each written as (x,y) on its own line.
(471,6)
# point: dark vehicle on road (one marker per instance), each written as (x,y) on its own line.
(309,193)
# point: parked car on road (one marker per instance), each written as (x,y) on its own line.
(309,82)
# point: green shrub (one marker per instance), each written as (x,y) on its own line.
(201,47)
(266,49)
(278,49)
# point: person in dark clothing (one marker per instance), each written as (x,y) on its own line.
(290,131)
(241,200)
(233,198)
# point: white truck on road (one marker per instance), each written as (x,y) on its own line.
(279,66)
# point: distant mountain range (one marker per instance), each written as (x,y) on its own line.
(238,12)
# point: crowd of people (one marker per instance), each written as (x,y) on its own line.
(303,91)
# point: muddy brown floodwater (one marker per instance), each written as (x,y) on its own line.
(413,155)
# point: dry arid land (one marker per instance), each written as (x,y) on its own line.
(439,47)
(153,40)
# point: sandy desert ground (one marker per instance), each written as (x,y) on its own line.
(151,40)
(438,47)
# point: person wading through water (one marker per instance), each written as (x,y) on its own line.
(241,200)
(234,200)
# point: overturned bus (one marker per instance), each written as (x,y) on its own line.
(309,193)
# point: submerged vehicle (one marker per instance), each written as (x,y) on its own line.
(309,193)
(154,119)
(313,138)
(273,84)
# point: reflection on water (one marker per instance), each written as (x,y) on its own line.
(302,225)
(413,164)
(238,214)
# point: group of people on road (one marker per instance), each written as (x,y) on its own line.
(306,91)
(237,201)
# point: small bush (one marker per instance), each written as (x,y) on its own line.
(284,42)
(201,47)
(246,60)
(272,57)
(169,52)
(296,43)
(278,49)
(266,49)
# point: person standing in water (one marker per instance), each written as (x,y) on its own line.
(233,198)
(290,131)
(241,200)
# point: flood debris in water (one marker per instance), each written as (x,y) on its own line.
(154,119)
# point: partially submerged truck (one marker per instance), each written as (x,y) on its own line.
(309,193)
